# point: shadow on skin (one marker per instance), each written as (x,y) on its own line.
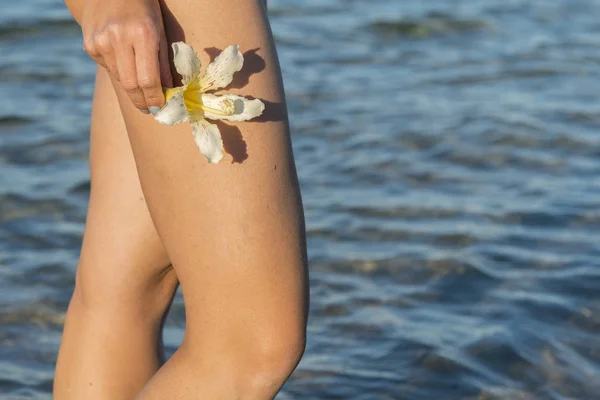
(233,142)
(273,112)
(174,33)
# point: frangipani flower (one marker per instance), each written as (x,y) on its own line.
(191,101)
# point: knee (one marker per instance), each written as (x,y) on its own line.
(275,360)
(124,290)
(248,369)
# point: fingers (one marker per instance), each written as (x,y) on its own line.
(136,54)
(148,73)
(103,44)
(126,64)
(89,46)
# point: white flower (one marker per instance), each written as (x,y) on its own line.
(191,101)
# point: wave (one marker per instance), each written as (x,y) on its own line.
(434,24)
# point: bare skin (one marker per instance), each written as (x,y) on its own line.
(233,233)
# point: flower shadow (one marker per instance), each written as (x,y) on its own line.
(273,112)
(233,141)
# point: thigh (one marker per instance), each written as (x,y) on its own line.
(122,254)
(234,230)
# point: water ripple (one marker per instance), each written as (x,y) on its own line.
(448,158)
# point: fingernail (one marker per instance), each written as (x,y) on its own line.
(145,111)
(154,109)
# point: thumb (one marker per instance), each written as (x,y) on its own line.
(166,78)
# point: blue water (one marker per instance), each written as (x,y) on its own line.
(449,156)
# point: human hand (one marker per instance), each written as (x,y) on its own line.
(128,39)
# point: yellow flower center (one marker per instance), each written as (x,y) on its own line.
(192,97)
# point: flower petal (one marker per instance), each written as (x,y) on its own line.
(219,73)
(243,109)
(186,62)
(208,139)
(174,111)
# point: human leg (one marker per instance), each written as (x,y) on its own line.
(234,231)
(124,282)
